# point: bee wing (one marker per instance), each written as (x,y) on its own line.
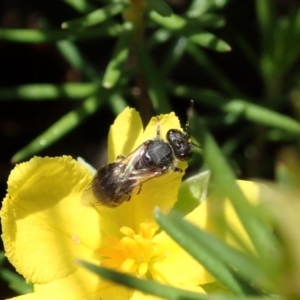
(141,175)
(131,159)
(121,170)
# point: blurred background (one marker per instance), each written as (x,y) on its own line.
(59,92)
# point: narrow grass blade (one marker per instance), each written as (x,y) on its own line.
(160,6)
(96,17)
(155,82)
(120,54)
(248,50)
(158,289)
(173,22)
(200,7)
(209,40)
(209,20)
(73,56)
(204,96)
(262,115)
(16,282)
(81,6)
(215,73)
(210,261)
(224,178)
(237,107)
(118,103)
(266,14)
(176,52)
(41,36)
(67,123)
(290,42)
(182,231)
(181,26)
(47,91)
(161,35)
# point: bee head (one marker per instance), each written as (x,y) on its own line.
(180,144)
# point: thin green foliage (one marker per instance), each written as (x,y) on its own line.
(223,177)
(155,288)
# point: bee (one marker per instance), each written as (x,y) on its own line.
(115,183)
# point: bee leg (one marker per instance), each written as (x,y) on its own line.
(121,156)
(128,198)
(175,169)
(140,188)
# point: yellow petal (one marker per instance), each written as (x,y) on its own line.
(80,285)
(44,225)
(175,266)
(124,134)
(161,191)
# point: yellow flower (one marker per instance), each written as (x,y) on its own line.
(46,227)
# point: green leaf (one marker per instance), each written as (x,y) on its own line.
(56,131)
(96,17)
(47,91)
(160,6)
(114,69)
(192,192)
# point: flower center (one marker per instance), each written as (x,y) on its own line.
(133,253)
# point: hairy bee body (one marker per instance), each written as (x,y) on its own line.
(115,183)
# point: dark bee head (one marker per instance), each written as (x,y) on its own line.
(181,144)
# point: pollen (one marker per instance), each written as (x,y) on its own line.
(132,254)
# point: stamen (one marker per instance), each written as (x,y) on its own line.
(133,253)
(127,231)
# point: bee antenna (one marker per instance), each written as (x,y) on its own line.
(158,128)
(189,113)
